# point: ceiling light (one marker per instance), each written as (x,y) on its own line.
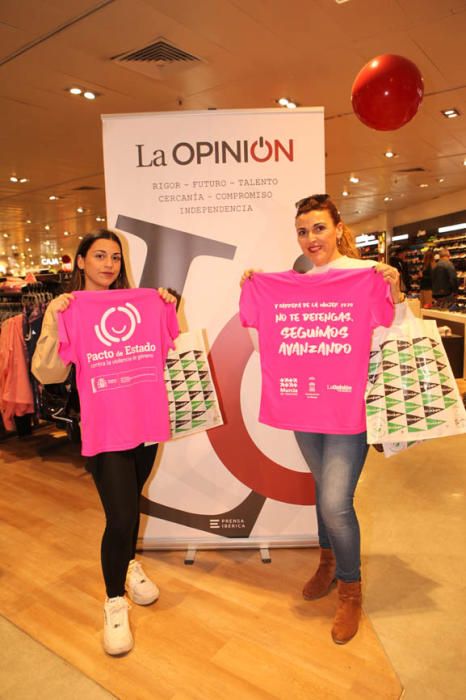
(283,101)
(453,227)
(387,199)
(89,95)
(451,113)
(80,210)
(53,197)
(401,237)
(441,179)
(80,237)
(28,221)
(341,2)
(28,240)
(345,193)
(464,161)
(29,250)
(13,178)
(5,235)
(363,245)
(66,233)
(291,105)
(47,227)
(75,90)
(100,218)
(354,179)
(46,242)
(423,184)
(14,247)
(23,180)
(389,154)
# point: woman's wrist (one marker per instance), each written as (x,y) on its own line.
(401,298)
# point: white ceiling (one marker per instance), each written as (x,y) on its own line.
(252,52)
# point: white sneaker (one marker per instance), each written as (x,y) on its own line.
(117,634)
(139,587)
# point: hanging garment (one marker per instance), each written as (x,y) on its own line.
(16,397)
(314,343)
(118,340)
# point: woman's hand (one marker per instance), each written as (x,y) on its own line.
(61,302)
(166,296)
(392,276)
(247,274)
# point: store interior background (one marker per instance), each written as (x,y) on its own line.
(249,54)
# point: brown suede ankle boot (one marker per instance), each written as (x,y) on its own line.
(348,614)
(323,579)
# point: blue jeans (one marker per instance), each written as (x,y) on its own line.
(336,462)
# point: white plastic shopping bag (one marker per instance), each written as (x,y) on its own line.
(411,393)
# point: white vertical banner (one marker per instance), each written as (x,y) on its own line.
(199,197)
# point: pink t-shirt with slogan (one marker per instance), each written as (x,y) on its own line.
(314,343)
(118,340)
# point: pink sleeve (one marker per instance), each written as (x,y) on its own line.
(248,305)
(173,330)
(382,311)
(66,350)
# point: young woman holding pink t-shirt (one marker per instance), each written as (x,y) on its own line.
(119,476)
(336,461)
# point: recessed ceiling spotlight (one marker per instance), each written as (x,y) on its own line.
(14,247)
(46,242)
(464,161)
(28,221)
(29,250)
(23,180)
(80,210)
(345,193)
(441,179)
(80,237)
(47,227)
(74,90)
(387,199)
(389,154)
(13,178)
(66,233)
(283,101)
(291,105)
(354,179)
(451,113)
(5,235)
(28,240)
(341,2)
(89,95)
(53,197)
(423,185)
(100,218)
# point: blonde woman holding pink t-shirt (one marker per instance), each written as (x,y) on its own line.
(336,460)
(120,475)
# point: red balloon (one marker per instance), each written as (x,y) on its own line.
(387,92)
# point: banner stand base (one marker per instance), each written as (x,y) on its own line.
(192,551)
(190,556)
(265,555)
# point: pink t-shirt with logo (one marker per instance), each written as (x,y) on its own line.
(314,343)
(118,340)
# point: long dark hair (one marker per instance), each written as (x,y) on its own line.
(77,281)
(345,244)
(428,259)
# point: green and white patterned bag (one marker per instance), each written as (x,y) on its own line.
(192,399)
(411,393)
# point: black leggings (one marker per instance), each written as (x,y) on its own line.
(120,477)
